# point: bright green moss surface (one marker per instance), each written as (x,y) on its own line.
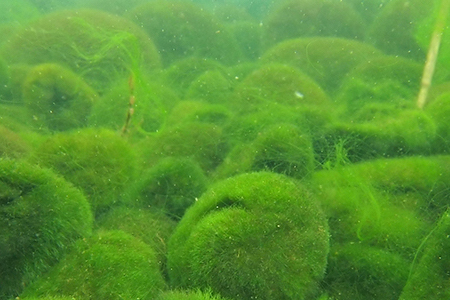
(189,295)
(109,265)
(172,185)
(98,161)
(257,235)
(42,215)
(280,148)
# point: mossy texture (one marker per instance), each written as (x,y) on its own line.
(148,225)
(57,98)
(98,161)
(181,29)
(42,215)
(172,185)
(361,272)
(189,295)
(429,272)
(98,46)
(305,18)
(257,235)
(277,83)
(109,265)
(281,148)
(325,59)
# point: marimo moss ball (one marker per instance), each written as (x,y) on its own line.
(253,236)
(98,161)
(110,265)
(57,98)
(41,216)
(172,186)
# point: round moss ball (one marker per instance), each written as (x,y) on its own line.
(253,236)
(41,216)
(110,265)
(98,161)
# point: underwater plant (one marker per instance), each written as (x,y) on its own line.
(212,86)
(324,59)
(428,277)
(255,235)
(99,47)
(148,99)
(198,111)
(183,29)
(98,161)
(109,265)
(42,215)
(311,18)
(57,98)
(172,185)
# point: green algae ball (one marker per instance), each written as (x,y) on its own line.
(42,215)
(303,18)
(256,235)
(109,265)
(57,98)
(150,226)
(98,46)
(98,161)
(172,185)
(281,148)
(360,272)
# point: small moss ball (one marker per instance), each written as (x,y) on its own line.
(256,235)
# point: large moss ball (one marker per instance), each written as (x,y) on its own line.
(41,216)
(253,236)
(110,265)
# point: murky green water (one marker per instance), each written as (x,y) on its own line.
(179,150)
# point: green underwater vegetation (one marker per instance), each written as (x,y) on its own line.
(224,149)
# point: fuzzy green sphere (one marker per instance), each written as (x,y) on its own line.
(98,46)
(98,161)
(41,217)
(281,148)
(57,98)
(296,18)
(172,185)
(110,265)
(256,235)
(182,29)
